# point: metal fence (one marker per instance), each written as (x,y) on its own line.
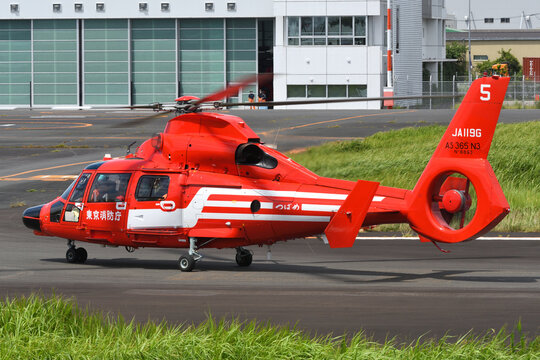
(521,93)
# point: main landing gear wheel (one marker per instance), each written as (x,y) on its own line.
(186,263)
(243,257)
(75,255)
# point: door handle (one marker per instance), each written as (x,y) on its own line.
(167,205)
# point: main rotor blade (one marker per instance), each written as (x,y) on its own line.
(233,89)
(330,101)
(141,120)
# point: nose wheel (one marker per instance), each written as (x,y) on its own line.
(75,255)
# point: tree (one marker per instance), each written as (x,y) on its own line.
(485,67)
(455,50)
(514,67)
(506,57)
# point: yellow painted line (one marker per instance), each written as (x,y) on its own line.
(48,168)
(44,178)
(337,120)
(113,137)
(73,125)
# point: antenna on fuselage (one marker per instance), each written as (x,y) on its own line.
(128,151)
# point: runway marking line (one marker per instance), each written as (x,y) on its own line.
(10,177)
(336,120)
(43,178)
(74,125)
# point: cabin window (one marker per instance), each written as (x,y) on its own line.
(152,188)
(109,188)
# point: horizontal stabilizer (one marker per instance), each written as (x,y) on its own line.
(344,226)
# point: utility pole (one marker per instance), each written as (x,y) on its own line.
(388,90)
(469,27)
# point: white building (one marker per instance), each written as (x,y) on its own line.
(93,52)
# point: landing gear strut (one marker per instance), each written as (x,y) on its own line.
(244,257)
(187,262)
(75,255)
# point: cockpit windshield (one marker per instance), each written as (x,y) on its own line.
(65,194)
(81,182)
(78,193)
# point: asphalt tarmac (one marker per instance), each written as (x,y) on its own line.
(400,288)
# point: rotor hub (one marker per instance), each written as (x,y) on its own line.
(453,201)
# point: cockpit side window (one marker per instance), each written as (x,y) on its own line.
(109,188)
(56,211)
(78,193)
(152,188)
(251,154)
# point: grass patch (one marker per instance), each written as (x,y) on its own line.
(16,204)
(513,105)
(45,328)
(397,158)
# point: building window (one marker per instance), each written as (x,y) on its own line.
(505,20)
(331,30)
(480,58)
(100,7)
(78,7)
(324,91)
(165,6)
(14,8)
(296,91)
(231,6)
(209,6)
(488,20)
(337,91)
(357,91)
(318,91)
(57,7)
(143,6)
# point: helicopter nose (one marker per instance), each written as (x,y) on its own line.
(30,217)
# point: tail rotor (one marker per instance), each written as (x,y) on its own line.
(458,197)
(454,201)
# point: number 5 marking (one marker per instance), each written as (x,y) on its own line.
(484,90)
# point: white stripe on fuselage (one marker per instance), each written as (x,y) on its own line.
(188,217)
(236,204)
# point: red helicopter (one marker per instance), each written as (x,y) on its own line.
(207,181)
